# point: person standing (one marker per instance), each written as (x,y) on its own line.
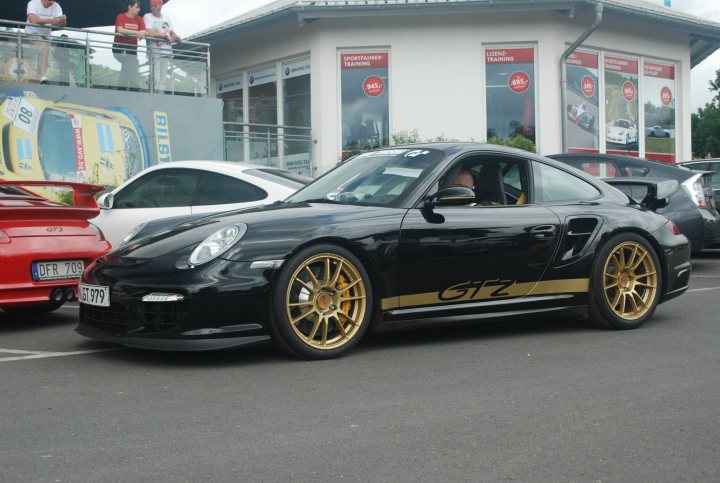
(43,13)
(161,35)
(131,28)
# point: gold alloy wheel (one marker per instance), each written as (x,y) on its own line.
(326,301)
(630,280)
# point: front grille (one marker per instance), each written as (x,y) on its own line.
(134,318)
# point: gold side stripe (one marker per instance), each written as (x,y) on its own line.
(573,285)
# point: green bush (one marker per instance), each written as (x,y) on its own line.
(519,142)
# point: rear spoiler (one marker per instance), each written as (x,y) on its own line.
(83,193)
(658,189)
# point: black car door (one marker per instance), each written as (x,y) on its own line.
(456,254)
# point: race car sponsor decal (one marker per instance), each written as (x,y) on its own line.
(385,152)
(76,122)
(162,136)
(105,139)
(24,151)
(479,290)
(24,114)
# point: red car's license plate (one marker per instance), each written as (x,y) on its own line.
(57,270)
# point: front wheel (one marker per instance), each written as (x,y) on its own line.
(626,283)
(322,303)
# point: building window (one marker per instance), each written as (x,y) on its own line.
(583,108)
(621,106)
(230,90)
(296,112)
(510,92)
(262,116)
(659,105)
(365,107)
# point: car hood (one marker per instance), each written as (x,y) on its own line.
(273,231)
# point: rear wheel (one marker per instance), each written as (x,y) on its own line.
(626,283)
(322,303)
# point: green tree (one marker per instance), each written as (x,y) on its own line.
(706,125)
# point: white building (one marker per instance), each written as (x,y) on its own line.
(577,75)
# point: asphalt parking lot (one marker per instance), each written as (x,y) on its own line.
(540,400)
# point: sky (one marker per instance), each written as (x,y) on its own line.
(189,17)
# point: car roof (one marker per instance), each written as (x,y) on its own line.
(681,172)
(209,164)
(698,161)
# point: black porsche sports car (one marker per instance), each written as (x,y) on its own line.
(387,240)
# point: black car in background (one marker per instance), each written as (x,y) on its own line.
(391,239)
(689,206)
(712,165)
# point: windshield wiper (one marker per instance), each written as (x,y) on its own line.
(319,200)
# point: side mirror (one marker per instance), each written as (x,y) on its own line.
(455,196)
(105,202)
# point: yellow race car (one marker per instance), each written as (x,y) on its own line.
(47,140)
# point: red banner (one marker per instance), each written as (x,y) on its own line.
(583,59)
(663,157)
(617,64)
(659,70)
(510,56)
(364,61)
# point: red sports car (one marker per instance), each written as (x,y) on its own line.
(45,245)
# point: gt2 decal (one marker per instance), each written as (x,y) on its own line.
(461,290)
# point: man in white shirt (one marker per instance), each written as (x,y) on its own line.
(43,13)
(160,38)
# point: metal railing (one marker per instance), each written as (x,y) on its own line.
(89,58)
(282,146)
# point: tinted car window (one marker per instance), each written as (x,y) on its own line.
(635,170)
(162,188)
(219,189)
(599,169)
(554,185)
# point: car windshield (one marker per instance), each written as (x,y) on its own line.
(622,123)
(56,147)
(377,178)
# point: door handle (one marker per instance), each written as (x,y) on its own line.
(543,232)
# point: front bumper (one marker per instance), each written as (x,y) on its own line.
(225,305)
(171,344)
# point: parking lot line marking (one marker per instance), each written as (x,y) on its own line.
(43,355)
(703,289)
(706,276)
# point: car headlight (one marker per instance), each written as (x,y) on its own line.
(217,243)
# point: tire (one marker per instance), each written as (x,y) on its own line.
(625,284)
(322,303)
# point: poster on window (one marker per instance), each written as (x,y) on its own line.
(621,105)
(510,92)
(365,104)
(659,98)
(582,110)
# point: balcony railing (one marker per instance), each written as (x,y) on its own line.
(84,58)
(288,147)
